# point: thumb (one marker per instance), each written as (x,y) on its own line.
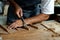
(18,14)
(21,13)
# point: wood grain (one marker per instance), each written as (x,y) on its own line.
(32,34)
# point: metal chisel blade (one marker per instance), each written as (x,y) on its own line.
(24,24)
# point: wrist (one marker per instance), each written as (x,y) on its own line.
(27,21)
(19,22)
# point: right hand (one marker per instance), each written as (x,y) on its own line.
(18,11)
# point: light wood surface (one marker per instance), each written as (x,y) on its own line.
(32,34)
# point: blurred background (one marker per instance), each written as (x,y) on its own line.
(4,9)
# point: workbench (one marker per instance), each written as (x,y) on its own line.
(32,34)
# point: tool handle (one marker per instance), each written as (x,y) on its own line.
(22,20)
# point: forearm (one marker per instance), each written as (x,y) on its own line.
(12,2)
(38,18)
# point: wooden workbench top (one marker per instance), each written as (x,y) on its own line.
(32,34)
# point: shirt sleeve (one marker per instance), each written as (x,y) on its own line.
(47,6)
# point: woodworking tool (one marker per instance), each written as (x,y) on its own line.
(4,28)
(25,25)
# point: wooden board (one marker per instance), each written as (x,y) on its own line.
(32,34)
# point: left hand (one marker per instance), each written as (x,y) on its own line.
(17,23)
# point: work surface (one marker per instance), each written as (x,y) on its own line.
(32,34)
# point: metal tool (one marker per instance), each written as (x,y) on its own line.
(24,24)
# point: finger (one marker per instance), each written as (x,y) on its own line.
(18,14)
(14,25)
(16,29)
(21,13)
(11,26)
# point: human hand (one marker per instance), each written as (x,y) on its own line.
(16,24)
(18,11)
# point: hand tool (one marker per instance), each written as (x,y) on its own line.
(4,28)
(25,25)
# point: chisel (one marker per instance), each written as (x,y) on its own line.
(24,24)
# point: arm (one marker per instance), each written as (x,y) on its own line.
(13,3)
(18,9)
(47,8)
(35,19)
(38,18)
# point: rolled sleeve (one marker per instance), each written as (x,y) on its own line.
(47,6)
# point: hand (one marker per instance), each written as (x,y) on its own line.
(17,23)
(19,11)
